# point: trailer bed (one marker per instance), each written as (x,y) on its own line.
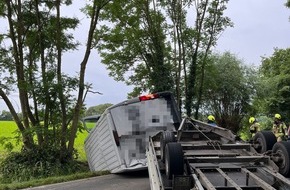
(199,156)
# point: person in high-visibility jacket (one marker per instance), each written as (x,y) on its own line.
(255,126)
(211,120)
(279,128)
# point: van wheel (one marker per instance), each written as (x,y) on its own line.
(174,163)
(264,141)
(166,137)
(282,149)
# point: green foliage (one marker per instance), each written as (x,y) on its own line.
(97,110)
(230,87)
(6,142)
(6,116)
(275,83)
(264,121)
(9,137)
(33,62)
(40,162)
(135,45)
(288,3)
(12,140)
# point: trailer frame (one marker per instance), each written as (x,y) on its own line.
(212,158)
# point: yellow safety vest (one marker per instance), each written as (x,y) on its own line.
(279,129)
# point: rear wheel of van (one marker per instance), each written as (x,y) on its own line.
(166,137)
(264,141)
(282,151)
(174,163)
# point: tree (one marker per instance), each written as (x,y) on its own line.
(209,23)
(276,82)
(135,43)
(97,110)
(93,12)
(144,49)
(288,3)
(180,33)
(230,87)
(6,116)
(33,60)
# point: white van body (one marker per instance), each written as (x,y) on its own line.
(118,141)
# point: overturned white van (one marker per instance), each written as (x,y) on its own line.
(118,141)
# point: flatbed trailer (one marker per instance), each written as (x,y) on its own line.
(199,156)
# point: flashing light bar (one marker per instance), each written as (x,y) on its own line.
(148,97)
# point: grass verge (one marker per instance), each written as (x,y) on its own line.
(51,180)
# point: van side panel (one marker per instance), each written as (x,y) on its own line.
(132,121)
(101,150)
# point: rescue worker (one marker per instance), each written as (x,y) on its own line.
(288,133)
(255,126)
(211,120)
(279,128)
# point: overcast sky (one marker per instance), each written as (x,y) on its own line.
(259,27)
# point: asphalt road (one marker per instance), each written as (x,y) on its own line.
(138,180)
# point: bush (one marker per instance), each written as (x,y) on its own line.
(37,163)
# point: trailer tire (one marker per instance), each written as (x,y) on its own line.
(166,137)
(266,141)
(283,150)
(174,163)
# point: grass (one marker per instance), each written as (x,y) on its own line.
(50,180)
(8,129)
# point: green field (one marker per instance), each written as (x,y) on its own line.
(9,130)
(8,134)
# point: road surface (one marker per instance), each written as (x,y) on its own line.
(138,181)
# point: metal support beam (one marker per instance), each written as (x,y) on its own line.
(229,179)
(276,175)
(204,181)
(242,159)
(258,180)
(153,168)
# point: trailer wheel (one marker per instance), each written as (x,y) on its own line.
(264,141)
(283,150)
(166,137)
(174,163)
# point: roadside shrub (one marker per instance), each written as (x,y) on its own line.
(37,163)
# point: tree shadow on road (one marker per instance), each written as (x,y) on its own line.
(135,174)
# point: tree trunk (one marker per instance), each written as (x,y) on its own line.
(190,86)
(17,43)
(97,6)
(26,137)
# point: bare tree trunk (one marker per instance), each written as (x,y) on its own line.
(39,35)
(178,37)
(62,99)
(97,6)
(17,42)
(34,120)
(190,86)
(27,141)
(203,62)
(43,74)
